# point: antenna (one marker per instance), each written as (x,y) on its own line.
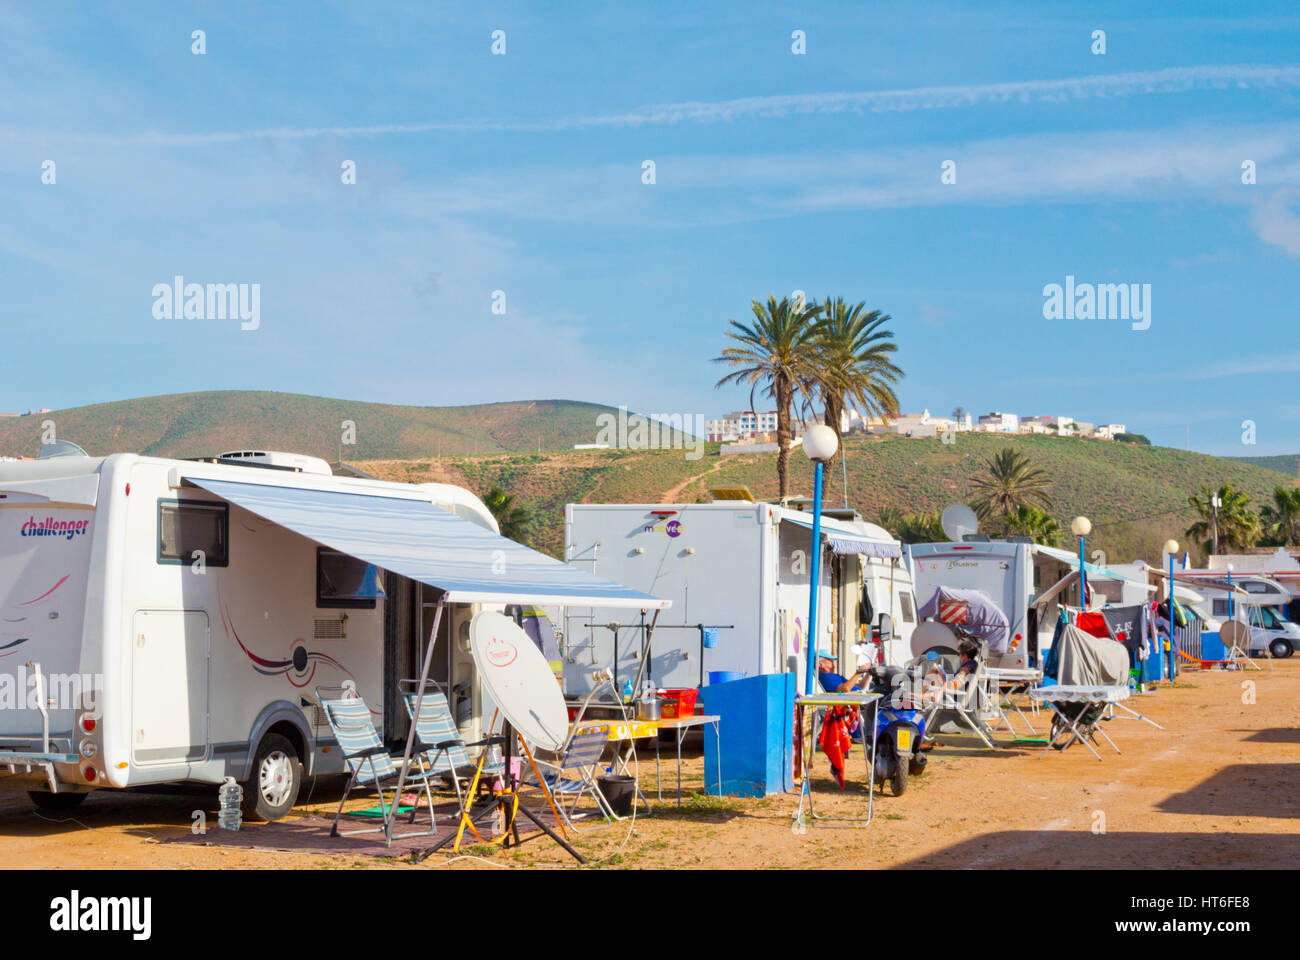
(958,520)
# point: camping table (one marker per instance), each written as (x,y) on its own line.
(1016,680)
(625,731)
(855,699)
(679,726)
(1073,693)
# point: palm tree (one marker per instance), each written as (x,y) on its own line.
(1013,481)
(777,351)
(1038,525)
(1238,525)
(513,521)
(1282,520)
(853,362)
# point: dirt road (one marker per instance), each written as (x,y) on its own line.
(1219,787)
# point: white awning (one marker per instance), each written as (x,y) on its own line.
(847,542)
(416,539)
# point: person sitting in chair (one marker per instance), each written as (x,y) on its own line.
(833,682)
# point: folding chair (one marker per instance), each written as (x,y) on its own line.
(580,758)
(966,704)
(438,743)
(369,762)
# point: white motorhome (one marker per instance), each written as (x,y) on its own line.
(738,575)
(167,621)
(1257,600)
(1028,581)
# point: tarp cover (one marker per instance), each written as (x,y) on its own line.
(1085,660)
(416,539)
(972,611)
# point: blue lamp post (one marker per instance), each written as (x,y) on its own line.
(1171,547)
(1081,527)
(820,444)
(1230,604)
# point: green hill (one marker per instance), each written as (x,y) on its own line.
(202,424)
(1288,463)
(1135,495)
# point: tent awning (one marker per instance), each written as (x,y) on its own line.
(416,539)
(844,542)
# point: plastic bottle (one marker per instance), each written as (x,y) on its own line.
(231,795)
(627,691)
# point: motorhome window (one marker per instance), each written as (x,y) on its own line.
(906,602)
(1253,587)
(1220,607)
(187,526)
(345,581)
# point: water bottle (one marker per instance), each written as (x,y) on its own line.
(627,691)
(231,795)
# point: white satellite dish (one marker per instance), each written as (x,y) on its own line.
(958,520)
(519,680)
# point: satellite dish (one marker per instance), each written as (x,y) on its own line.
(958,520)
(60,448)
(518,679)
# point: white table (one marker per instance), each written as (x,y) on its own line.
(856,699)
(1003,683)
(679,726)
(1074,693)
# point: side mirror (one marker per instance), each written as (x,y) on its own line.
(886,628)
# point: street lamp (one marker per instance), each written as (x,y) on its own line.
(1171,547)
(820,444)
(1215,503)
(1081,526)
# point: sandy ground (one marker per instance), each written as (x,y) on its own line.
(1219,787)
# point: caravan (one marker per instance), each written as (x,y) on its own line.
(1257,600)
(167,621)
(737,573)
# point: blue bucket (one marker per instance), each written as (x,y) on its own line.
(710,637)
(724,676)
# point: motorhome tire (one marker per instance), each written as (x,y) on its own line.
(1280,649)
(56,801)
(274,779)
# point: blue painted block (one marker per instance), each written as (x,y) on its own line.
(1212,647)
(757,733)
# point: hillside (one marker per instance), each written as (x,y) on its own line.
(201,424)
(1288,463)
(1135,495)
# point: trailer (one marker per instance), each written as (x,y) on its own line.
(738,575)
(1029,581)
(170,621)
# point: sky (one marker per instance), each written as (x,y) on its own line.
(517,180)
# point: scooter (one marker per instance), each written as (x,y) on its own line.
(900,727)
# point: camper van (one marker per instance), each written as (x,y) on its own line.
(166,621)
(1259,601)
(738,574)
(1028,581)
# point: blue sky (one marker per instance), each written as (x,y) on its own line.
(774,172)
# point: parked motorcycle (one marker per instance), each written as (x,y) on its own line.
(900,726)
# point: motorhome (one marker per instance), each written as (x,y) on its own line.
(738,573)
(1029,581)
(167,621)
(1257,600)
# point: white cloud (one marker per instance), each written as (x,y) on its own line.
(1277,220)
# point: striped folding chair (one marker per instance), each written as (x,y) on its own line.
(368,761)
(572,775)
(439,745)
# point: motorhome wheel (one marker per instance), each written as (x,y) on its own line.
(275,776)
(1280,649)
(45,800)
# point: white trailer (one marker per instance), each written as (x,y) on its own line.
(168,621)
(1256,600)
(1027,580)
(737,572)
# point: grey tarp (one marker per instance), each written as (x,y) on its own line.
(1088,661)
(971,611)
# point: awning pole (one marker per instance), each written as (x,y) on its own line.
(410,734)
(648,632)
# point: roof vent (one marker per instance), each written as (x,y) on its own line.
(278,459)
